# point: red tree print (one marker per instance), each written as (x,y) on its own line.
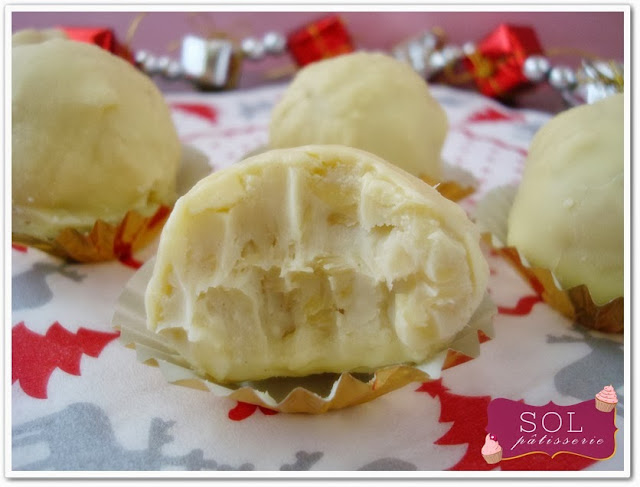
(203,111)
(243,410)
(34,357)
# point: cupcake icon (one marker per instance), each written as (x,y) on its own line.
(606,399)
(491,451)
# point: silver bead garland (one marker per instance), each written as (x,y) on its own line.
(253,49)
(424,53)
(209,63)
(213,64)
(536,68)
(594,80)
(274,43)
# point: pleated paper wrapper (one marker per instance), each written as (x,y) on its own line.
(312,394)
(109,241)
(575,303)
(457,183)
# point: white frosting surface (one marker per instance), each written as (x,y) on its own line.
(369,101)
(568,215)
(92,137)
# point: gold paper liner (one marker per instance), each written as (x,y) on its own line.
(452,190)
(312,394)
(575,303)
(105,241)
(456,183)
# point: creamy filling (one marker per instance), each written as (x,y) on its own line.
(291,271)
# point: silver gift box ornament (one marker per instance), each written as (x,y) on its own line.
(210,63)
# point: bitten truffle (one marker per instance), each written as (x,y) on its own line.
(309,260)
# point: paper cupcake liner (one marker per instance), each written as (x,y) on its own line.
(105,241)
(493,458)
(312,394)
(605,407)
(109,241)
(457,183)
(575,303)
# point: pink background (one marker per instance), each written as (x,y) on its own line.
(598,33)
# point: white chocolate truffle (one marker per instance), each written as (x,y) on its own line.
(92,138)
(35,36)
(568,215)
(369,101)
(309,260)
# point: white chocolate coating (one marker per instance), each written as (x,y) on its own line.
(568,215)
(369,101)
(35,36)
(309,260)
(92,137)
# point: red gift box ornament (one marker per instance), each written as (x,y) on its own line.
(496,64)
(325,38)
(214,63)
(99,36)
